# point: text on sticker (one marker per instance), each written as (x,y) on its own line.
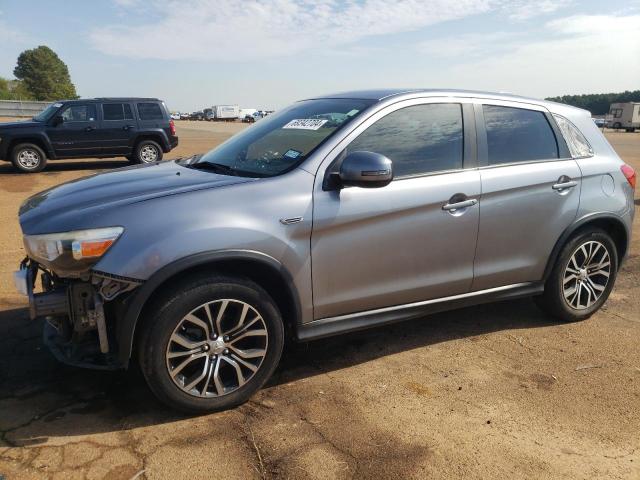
(305,123)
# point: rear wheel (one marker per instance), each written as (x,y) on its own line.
(582,278)
(211,344)
(147,151)
(28,158)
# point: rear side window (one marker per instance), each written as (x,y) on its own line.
(418,140)
(518,135)
(578,145)
(150,111)
(79,113)
(117,111)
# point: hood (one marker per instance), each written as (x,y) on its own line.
(58,209)
(22,124)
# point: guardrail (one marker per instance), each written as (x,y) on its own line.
(18,108)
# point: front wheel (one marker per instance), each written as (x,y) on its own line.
(582,278)
(211,344)
(28,158)
(147,151)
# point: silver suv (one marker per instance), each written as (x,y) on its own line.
(335,214)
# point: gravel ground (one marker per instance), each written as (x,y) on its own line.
(496,391)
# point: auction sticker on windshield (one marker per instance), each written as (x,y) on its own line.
(305,123)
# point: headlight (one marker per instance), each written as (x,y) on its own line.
(71,251)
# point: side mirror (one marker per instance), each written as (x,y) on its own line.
(57,120)
(366,170)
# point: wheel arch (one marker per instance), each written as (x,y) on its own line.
(608,222)
(34,139)
(263,269)
(157,137)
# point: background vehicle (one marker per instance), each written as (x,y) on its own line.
(185,116)
(197,116)
(175,116)
(137,128)
(336,214)
(624,115)
(600,122)
(226,113)
(252,118)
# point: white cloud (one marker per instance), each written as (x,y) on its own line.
(251,29)
(576,54)
(526,9)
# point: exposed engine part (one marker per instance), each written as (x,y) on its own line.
(98,314)
(82,302)
(110,287)
(49,304)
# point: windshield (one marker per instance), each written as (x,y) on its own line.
(279,142)
(47,112)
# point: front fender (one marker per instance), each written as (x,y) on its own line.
(133,306)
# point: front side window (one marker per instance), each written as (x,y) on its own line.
(117,111)
(79,113)
(518,135)
(150,111)
(578,145)
(616,112)
(283,140)
(418,140)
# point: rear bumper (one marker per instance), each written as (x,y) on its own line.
(173,143)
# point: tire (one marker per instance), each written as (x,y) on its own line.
(28,158)
(617,125)
(558,299)
(147,151)
(220,386)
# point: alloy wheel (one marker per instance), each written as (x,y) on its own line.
(217,348)
(586,275)
(29,159)
(148,154)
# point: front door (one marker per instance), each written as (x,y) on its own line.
(373,248)
(77,135)
(530,194)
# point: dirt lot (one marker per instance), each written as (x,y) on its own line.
(497,391)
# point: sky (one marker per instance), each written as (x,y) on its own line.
(267,54)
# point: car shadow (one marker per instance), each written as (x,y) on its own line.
(70,165)
(32,381)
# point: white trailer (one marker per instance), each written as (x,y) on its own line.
(624,115)
(226,113)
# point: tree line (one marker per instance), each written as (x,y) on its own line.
(598,103)
(40,75)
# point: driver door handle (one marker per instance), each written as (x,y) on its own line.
(127,127)
(89,129)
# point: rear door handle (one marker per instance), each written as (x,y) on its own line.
(564,185)
(89,129)
(458,205)
(127,127)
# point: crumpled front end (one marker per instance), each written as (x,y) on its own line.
(80,313)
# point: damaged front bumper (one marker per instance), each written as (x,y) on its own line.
(80,314)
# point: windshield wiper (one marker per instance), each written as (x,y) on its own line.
(216,167)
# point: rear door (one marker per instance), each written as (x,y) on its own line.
(77,135)
(530,192)
(118,128)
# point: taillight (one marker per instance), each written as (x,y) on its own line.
(630,174)
(172,127)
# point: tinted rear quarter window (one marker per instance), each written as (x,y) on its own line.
(419,139)
(577,143)
(518,135)
(150,111)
